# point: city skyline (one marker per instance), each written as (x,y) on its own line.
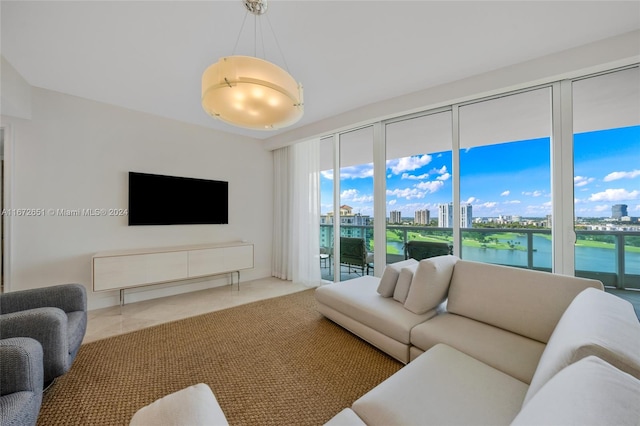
(511,178)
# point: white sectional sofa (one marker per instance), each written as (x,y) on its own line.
(501,345)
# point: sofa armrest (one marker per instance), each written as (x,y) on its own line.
(68,297)
(20,365)
(49,327)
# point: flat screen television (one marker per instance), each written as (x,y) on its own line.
(173,200)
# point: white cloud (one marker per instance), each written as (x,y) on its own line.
(357,172)
(392,202)
(541,209)
(505,193)
(513,202)
(327,174)
(602,208)
(582,181)
(619,194)
(354,196)
(533,193)
(443,177)
(471,200)
(489,204)
(442,170)
(431,186)
(621,175)
(407,164)
(348,194)
(413,177)
(408,193)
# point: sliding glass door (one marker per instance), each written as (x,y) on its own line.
(356,204)
(606,126)
(418,186)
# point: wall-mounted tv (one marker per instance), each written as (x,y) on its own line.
(173,200)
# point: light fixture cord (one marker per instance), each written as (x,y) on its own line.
(264,51)
(278,44)
(240,33)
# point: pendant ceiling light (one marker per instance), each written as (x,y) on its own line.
(250,92)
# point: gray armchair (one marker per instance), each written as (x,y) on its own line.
(54,316)
(21,380)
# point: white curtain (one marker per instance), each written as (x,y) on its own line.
(281,265)
(296,240)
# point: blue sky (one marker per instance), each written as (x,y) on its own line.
(508,179)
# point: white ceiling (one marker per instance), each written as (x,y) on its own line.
(149,55)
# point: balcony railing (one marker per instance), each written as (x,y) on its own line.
(604,255)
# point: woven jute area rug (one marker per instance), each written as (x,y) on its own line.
(273,362)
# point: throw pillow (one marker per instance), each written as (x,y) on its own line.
(404,282)
(430,284)
(390,276)
(195,405)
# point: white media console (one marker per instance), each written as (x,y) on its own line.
(119,270)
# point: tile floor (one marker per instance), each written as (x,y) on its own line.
(116,320)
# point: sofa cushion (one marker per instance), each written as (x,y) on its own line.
(430,283)
(595,323)
(525,302)
(443,386)
(503,350)
(390,276)
(404,283)
(359,300)
(589,392)
(346,417)
(195,405)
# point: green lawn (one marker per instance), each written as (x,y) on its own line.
(603,245)
(392,236)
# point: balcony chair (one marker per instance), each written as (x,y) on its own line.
(419,250)
(54,316)
(21,380)
(353,254)
(325,257)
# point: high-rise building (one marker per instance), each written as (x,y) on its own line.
(618,211)
(422,217)
(466,216)
(395,216)
(445,215)
(352,225)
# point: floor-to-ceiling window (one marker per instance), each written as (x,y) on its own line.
(326,207)
(606,126)
(356,204)
(418,184)
(480,176)
(505,180)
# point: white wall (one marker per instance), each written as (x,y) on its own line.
(75,153)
